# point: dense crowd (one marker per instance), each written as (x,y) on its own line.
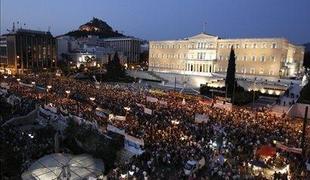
(227,141)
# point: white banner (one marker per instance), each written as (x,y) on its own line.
(50,107)
(120,118)
(151,99)
(163,103)
(115,130)
(134,140)
(201,118)
(24,84)
(5,85)
(288,149)
(148,111)
(140,105)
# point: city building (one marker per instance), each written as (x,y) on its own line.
(27,50)
(3,54)
(205,54)
(130,47)
(90,47)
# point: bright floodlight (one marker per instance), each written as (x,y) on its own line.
(5,77)
(92,98)
(33,83)
(127,108)
(18,79)
(67,91)
(49,86)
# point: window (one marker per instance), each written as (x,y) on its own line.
(221,57)
(253,58)
(254,45)
(272,58)
(262,59)
(274,45)
(261,71)
(244,58)
(252,71)
(245,46)
(271,72)
(237,46)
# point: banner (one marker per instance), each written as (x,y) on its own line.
(5,85)
(50,107)
(120,118)
(134,140)
(102,112)
(151,99)
(148,111)
(140,105)
(201,118)
(163,103)
(289,149)
(115,130)
(24,84)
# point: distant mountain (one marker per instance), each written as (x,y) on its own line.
(307,46)
(95,27)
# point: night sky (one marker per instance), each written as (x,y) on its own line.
(167,19)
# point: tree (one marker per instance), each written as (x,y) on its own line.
(307,60)
(115,70)
(231,70)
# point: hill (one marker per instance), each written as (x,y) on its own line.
(95,27)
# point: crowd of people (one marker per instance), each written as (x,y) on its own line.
(227,141)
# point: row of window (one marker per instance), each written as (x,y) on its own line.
(250,58)
(203,45)
(248,71)
(204,56)
(245,46)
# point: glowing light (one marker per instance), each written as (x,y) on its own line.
(263,90)
(92,98)
(270,91)
(278,93)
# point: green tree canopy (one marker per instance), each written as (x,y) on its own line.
(231,70)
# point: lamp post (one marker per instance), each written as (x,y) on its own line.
(127,109)
(254,88)
(18,80)
(92,99)
(48,87)
(67,92)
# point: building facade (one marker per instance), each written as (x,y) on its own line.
(130,47)
(204,54)
(28,50)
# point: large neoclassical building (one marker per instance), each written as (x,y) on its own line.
(204,54)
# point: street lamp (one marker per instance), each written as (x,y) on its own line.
(5,77)
(68,92)
(47,90)
(92,99)
(18,79)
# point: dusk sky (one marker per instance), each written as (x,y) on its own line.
(167,19)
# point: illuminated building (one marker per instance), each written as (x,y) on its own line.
(205,54)
(28,50)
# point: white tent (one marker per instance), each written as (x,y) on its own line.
(64,166)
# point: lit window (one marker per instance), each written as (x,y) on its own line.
(262,59)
